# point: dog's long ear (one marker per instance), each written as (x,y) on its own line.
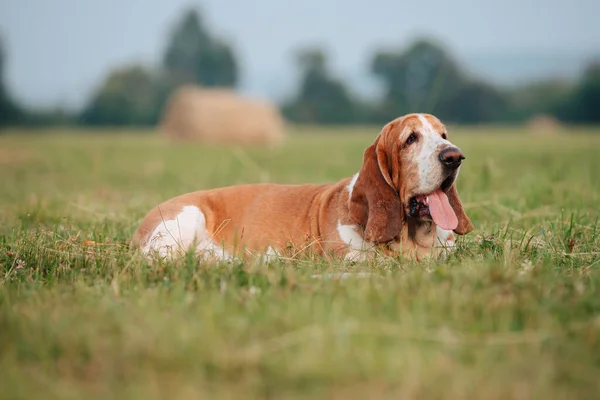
(374,203)
(464,223)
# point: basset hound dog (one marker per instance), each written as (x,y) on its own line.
(403,201)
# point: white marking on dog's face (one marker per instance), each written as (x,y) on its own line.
(431,172)
(174,237)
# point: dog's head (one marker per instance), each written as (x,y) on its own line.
(408,172)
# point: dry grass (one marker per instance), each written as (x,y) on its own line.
(206,115)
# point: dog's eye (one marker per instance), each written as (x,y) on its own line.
(411,139)
(444,136)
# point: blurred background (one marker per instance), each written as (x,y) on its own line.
(117,63)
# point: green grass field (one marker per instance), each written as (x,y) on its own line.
(514,313)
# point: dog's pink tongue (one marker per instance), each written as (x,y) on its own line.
(442,213)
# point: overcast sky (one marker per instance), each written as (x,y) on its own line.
(59,50)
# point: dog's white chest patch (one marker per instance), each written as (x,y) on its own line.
(174,237)
(357,246)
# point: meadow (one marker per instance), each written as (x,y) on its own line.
(513,314)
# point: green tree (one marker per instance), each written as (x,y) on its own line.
(321,98)
(426,78)
(193,55)
(585,101)
(10,112)
(548,96)
(128,96)
(476,102)
(423,78)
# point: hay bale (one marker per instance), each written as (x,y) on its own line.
(221,116)
(544,125)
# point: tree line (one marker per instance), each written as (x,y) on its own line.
(423,77)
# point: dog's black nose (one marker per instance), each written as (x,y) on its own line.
(451,157)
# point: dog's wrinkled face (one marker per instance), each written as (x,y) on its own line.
(423,142)
(409,172)
(430,165)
